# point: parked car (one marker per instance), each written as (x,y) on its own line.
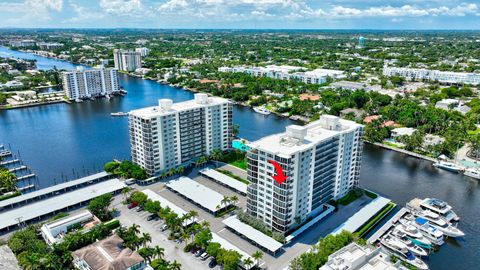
(204,256)
(194,250)
(164,227)
(132,205)
(151,217)
(212,263)
(139,209)
(199,252)
(130,181)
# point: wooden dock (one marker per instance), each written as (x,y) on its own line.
(386,227)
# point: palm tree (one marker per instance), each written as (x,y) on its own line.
(192,214)
(225,201)
(125,192)
(146,238)
(205,224)
(174,266)
(185,236)
(257,255)
(158,252)
(180,169)
(247,263)
(216,154)
(134,228)
(234,199)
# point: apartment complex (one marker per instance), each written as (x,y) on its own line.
(87,83)
(127,60)
(420,74)
(316,76)
(170,134)
(321,162)
(143,51)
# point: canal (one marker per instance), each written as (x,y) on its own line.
(61,141)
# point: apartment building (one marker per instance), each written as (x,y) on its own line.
(316,76)
(143,51)
(321,162)
(171,134)
(87,83)
(127,60)
(420,74)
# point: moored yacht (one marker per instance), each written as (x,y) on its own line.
(262,110)
(435,205)
(448,166)
(403,238)
(414,234)
(429,231)
(401,251)
(440,224)
(473,173)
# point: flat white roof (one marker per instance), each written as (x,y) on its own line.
(282,143)
(152,195)
(156,111)
(362,216)
(51,189)
(253,234)
(225,179)
(197,192)
(227,245)
(55,203)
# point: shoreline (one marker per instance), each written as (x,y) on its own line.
(33,104)
(402,151)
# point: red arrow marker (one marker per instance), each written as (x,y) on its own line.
(279,177)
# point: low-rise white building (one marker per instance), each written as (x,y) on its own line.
(432,140)
(420,74)
(356,257)
(452,104)
(53,232)
(402,131)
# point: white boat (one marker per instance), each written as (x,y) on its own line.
(262,110)
(429,231)
(119,113)
(435,205)
(474,173)
(416,250)
(449,166)
(401,251)
(436,221)
(414,234)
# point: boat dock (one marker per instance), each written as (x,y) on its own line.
(9,162)
(387,226)
(23,167)
(25,177)
(5,153)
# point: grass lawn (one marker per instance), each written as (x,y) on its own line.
(349,198)
(473,132)
(242,164)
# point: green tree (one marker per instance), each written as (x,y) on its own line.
(213,248)
(203,238)
(99,206)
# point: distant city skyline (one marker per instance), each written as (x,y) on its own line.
(241,14)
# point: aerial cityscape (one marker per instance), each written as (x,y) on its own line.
(276,134)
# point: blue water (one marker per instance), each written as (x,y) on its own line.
(62,141)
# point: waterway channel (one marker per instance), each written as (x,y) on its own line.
(62,141)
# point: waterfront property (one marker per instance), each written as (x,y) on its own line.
(127,60)
(166,203)
(170,134)
(42,208)
(86,83)
(356,257)
(319,162)
(107,254)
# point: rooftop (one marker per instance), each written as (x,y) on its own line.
(56,203)
(197,192)
(108,254)
(166,203)
(225,179)
(253,234)
(8,261)
(299,138)
(166,106)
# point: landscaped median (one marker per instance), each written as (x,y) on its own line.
(374,220)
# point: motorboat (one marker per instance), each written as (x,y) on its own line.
(436,221)
(262,110)
(429,231)
(413,234)
(119,113)
(448,166)
(411,246)
(473,173)
(401,251)
(434,205)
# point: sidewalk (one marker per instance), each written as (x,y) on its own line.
(464,160)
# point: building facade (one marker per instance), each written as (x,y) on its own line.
(143,51)
(170,134)
(87,83)
(127,60)
(420,74)
(321,162)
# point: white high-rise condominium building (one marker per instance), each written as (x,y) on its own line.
(143,51)
(127,60)
(321,161)
(171,134)
(86,83)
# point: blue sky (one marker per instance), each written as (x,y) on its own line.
(251,14)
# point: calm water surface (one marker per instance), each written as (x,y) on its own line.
(60,141)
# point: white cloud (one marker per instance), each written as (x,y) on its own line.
(124,7)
